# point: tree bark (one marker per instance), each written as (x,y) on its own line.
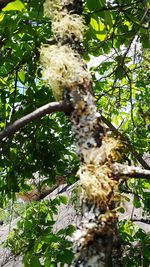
(61,106)
(96,238)
(124,172)
(97,242)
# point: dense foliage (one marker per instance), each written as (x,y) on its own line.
(116,49)
(36,239)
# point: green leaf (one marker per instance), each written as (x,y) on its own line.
(97,25)
(30,260)
(1,16)
(108,19)
(63,199)
(145,41)
(119,73)
(2,81)
(65,256)
(49,263)
(38,246)
(16,5)
(21,75)
(121,209)
(34,262)
(94,5)
(50,238)
(136,202)
(115,120)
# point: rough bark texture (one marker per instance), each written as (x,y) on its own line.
(96,237)
(97,243)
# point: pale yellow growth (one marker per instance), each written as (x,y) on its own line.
(96,175)
(66,25)
(53,6)
(101,155)
(62,68)
(97,184)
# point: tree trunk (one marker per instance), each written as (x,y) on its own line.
(65,71)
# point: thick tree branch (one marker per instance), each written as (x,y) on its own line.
(147,221)
(66,108)
(38,113)
(127,142)
(125,171)
(39,192)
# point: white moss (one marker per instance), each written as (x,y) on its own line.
(66,25)
(53,6)
(62,68)
(99,155)
(97,183)
(96,174)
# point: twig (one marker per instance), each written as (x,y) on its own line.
(131,192)
(131,41)
(127,142)
(111,8)
(131,99)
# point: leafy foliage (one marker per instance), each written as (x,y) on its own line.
(34,236)
(137,244)
(117,40)
(118,37)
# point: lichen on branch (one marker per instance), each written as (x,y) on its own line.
(65,25)
(65,70)
(62,68)
(96,175)
(52,7)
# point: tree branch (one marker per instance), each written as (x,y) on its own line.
(125,171)
(66,108)
(38,113)
(111,8)
(127,142)
(147,221)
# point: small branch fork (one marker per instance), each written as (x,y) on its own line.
(62,106)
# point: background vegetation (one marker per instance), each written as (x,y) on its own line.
(118,38)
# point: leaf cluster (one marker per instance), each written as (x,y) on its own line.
(117,41)
(35,238)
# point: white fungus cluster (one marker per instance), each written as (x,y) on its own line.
(62,68)
(51,7)
(68,25)
(96,182)
(99,155)
(95,173)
